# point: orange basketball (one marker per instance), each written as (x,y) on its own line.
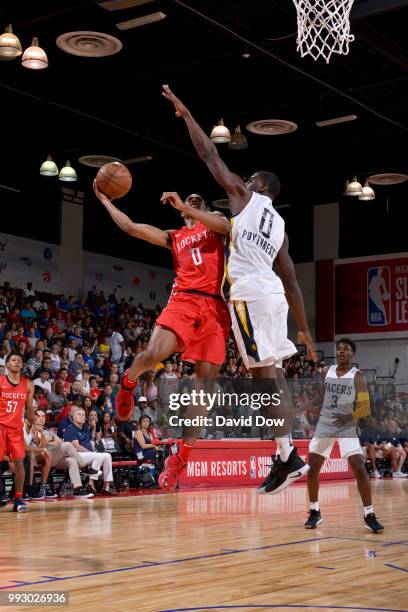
(114,180)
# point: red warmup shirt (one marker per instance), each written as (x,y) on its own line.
(12,402)
(198,255)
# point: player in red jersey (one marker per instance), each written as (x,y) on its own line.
(16,394)
(196,320)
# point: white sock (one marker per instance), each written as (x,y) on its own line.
(314,506)
(368,510)
(284,447)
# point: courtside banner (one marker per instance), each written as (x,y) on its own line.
(371,296)
(248,462)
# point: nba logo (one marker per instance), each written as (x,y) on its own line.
(378,296)
(252,464)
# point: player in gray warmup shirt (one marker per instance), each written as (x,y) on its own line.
(345,401)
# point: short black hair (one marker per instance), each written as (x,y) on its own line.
(14,354)
(272,181)
(347,341)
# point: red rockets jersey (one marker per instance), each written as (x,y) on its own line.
(12,402)
(198,255)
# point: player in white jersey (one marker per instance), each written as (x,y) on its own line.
(258,295)
(345,400)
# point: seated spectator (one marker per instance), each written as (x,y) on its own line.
(27,313)
(75,394)
(75,366)
(63,377)
(143,441)
(98,370)
(20,336)
(58,454)
(58,398)
(94,426)
(94,391)
(108,426)
(149,389)
(78,434)
(126,431)
(43,381)
(33,364)
(45,365)
(84,378)
(152,411)
(55,358)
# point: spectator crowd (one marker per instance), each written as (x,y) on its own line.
(75,351)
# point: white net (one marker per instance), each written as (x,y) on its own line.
(323,27)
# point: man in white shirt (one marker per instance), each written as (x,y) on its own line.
(117,346)
(43,381)
(29,291)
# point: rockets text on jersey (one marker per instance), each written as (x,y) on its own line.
(198,255)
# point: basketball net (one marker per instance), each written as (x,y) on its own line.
(323,27)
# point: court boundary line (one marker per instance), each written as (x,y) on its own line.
(221,553)
(274,606)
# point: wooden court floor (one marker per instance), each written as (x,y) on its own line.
(212,550)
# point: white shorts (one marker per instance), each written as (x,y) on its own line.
(323,446)
(261,330)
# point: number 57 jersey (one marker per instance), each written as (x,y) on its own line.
(12,402)
(256,235)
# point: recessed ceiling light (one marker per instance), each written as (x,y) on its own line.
(271,127)
(89,44)
(97,161)
(388,178)
(246,55)
(336,120)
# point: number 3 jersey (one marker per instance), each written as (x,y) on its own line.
(12,402)
(255,237)
(198,255)
(339,399)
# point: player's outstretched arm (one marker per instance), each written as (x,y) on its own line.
(233,184)
(151,234)
(286,271)
(215,221)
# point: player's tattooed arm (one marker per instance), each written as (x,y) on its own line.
(146,232)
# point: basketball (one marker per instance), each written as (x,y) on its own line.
(114,180)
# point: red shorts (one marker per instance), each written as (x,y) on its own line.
(12,442)
(201,324)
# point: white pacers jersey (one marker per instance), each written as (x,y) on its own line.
(339,399)
(255,237)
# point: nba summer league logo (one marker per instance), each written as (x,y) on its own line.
(378,296)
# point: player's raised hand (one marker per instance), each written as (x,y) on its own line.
(304,337)
(181,109)
(101,196)
(173,198)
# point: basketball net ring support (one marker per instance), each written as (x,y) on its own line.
(323,27)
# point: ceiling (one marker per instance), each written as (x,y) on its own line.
(113,105)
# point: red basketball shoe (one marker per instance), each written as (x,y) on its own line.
(173,467)
(125,401)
